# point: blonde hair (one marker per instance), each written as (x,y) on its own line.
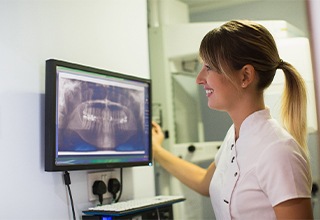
(241,42)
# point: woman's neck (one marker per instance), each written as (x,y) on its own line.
(243,110)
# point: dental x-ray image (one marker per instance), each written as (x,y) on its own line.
(96,117)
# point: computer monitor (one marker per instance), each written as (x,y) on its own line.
(95,118)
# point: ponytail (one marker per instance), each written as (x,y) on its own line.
(294,105)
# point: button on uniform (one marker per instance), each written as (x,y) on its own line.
(231,175)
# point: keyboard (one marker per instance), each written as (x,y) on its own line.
(135,205)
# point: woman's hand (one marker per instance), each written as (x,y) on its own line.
(157,137)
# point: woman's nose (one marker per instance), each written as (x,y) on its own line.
(200,79)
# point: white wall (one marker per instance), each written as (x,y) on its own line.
(314,17)
(110,34)
(292,11)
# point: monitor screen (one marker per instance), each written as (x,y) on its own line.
(95,118)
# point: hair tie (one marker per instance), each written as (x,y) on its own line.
(280,64)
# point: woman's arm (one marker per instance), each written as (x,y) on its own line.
(191,175)
(294,209)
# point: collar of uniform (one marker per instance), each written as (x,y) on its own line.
(252,120)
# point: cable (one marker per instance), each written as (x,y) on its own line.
(67,182)
(121,183)
(158,214)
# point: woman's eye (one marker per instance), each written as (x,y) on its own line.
(208,67)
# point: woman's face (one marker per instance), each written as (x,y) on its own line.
(221,92)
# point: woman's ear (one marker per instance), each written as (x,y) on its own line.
(248,75)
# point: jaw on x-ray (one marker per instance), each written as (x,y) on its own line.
(92,116)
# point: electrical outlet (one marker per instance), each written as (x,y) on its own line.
(92,177)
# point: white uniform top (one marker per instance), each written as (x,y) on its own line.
(262,169)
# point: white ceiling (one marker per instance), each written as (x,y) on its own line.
(196,6)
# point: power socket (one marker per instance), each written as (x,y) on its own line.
(92,177)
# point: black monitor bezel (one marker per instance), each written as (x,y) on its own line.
(50,117)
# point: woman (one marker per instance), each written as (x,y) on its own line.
(261,170)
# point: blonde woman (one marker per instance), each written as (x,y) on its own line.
(262,169)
